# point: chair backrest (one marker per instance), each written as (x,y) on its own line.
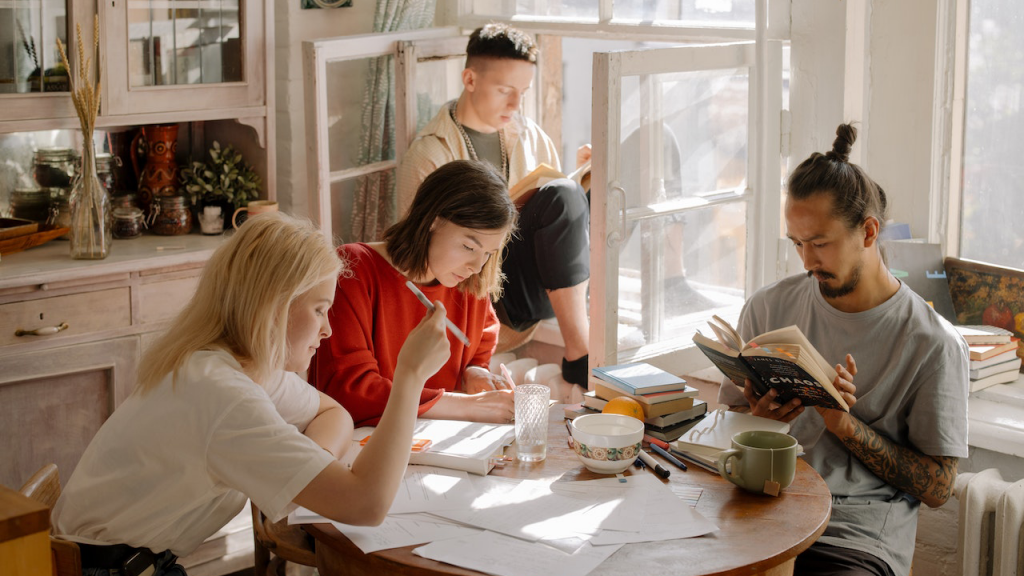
(44,487)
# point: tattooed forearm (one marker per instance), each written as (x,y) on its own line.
(928,478)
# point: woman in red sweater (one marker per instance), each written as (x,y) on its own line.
(450,244)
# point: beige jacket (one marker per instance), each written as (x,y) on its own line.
(440,142)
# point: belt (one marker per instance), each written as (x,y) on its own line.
(120,559)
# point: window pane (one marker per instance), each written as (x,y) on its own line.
(29,61)
(684,138)
(993,206)
(184,42)
(578,9)
(701,12)
(356,88)
(437,82)
(675,271)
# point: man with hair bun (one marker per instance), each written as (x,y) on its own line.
(907,390)
(547,265)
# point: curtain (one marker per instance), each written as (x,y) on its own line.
(375,203)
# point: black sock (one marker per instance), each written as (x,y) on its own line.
(576,371)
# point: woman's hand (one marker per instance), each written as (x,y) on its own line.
(495,407)
(426,349)
(477,379)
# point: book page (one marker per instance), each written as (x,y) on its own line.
(793,335)
(726,333)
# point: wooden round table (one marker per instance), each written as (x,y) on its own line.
(756,534)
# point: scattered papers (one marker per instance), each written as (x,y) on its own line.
(666,517)
(506,556)
(398,531)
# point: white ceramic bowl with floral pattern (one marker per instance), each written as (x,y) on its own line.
(606,443)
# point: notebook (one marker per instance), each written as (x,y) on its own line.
(714,433)
(454,444)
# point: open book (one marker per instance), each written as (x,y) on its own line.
(782,359)
(710,436)
(454,444)
(524,190)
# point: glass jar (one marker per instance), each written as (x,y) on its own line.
(123,201)
(60,209)
(171,216)
(54,167)
(127,222)
(30,204)
(91,236)
(104,163)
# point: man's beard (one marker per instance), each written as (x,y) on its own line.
(839,291)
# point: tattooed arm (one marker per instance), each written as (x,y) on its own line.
(928,478)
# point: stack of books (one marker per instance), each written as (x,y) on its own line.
(670,406)
(994,358)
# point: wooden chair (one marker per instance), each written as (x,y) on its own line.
(44,487)
(288,543)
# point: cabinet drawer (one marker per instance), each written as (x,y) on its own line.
(160,301)
(83,313)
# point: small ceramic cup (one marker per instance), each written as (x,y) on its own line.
(255,207)
(760,461)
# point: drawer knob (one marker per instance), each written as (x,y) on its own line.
(48,330)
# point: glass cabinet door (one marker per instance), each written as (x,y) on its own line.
(169,55)
(33,81)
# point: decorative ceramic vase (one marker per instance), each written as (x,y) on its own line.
(158,176)
(90,211)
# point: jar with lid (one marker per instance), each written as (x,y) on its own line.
(60,209)
(123,201)
(30,204)
(171,216)
(104,163)
(128,223)
(54,167)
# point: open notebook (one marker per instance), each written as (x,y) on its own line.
(454,444)
(714,433)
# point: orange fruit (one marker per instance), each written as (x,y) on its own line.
(624,405)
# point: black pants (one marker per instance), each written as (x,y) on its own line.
(550,251)
(826,560)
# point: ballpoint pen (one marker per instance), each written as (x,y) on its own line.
(653,465)
(664,454)
(693,460)
(430,306)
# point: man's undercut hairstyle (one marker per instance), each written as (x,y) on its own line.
(467,193)
(500,41)
(855,196)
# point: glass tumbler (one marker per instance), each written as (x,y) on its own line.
(531,402)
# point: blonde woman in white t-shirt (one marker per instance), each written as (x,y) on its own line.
(219,414)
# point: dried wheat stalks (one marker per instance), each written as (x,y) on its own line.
(86,97)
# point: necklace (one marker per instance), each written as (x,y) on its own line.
(472,150)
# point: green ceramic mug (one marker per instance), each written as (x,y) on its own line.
(760,461)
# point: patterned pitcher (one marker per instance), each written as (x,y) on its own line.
(159,175)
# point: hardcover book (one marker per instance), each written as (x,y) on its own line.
(783,360)
(640,378)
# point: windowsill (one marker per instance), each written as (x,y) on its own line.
(996,418)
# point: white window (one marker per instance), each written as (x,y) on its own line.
(685,124)
(991,204)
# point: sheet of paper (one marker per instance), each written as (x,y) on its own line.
(423,489)
(506,556)
(531,511)
(666,516)
(398,531)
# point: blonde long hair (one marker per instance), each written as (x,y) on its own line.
(242,301)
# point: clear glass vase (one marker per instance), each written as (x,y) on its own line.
(91,221)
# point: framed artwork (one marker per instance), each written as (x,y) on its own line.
(985,294)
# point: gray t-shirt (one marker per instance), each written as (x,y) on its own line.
(912,386)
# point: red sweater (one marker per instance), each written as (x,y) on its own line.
(373,313)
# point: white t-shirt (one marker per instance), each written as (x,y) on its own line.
(171,467)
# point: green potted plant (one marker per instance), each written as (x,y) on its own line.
(220,186)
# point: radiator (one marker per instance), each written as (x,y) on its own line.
(991,517)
